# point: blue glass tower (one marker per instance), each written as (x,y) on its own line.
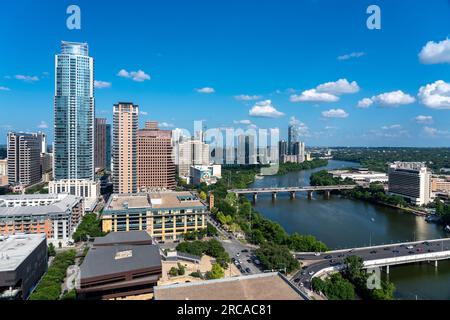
(74,113)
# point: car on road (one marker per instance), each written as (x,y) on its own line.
(373,252)
(297,280)
(426,243)
(410,247)
(419,250)
(303,273)
(301,284)
(387,249)
(411,252)
(328,257)
(244,251)
(311,273)
(334,264)
(238,254)
(230,237)
(395,251)
(340,256)
(430,250)
(249,261)
(317,254)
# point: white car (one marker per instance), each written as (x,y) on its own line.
(238,254)
(410,247)
(317,254)
(311,273)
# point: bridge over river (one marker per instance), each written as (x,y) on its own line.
(292,190)
(374,257)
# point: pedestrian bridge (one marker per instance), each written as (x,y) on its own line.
(292,190)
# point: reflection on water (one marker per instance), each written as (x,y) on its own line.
(348,223)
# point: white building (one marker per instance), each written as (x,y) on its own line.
(191,153)
(411,180)
(361,175)
(89,190)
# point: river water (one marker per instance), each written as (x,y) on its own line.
(346,223)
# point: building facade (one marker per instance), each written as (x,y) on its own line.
(205,174)
(125,128)
(155,163)
(23,262)
(165,216)
(293,137)
(102,154)
(74,113)
(55,215)
(87,189)
(410,180)
(24,164)
(189,153)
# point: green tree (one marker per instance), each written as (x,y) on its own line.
(203,195)
(51,250)
(216,272)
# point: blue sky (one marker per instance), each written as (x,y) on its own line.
(243,54)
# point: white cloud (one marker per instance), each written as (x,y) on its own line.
(143,113)
(5,89)
(342,86)
(388,99)
(365,103)
(43,125)
(138,76)
(335,113)
(206,90)
(166,125)
(433,53)
(245,97)
(435,95)
(246,122)
(430,131)
(265,109)
(392,127)
(351,55)
(102,84)
(424,119)
(26,78)
(313,96)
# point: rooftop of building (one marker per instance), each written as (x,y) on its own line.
(156,200)
(265,286)
(60,203)
(14,249)
(121,238)
(104,261)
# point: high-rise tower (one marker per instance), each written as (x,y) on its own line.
(74,113)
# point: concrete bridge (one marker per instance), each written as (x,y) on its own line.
(382,256)
(292,190)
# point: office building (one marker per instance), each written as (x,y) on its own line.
(293,137)
(263,286)
(87,189)
(55,215)
(125,127)
(23,261)
(282,148)
(164,215)
(189,153)
(74,113)
(120,265)
(247,152)
(102,154)
(440,185)
(410,180)
(155,163)
(205,174)
(24,164)
(3,172)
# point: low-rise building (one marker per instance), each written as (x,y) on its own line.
(361,175)
(55,215)
(87,189)
(164,215)
(440,184)
(264,286)
(23,261)
(205,174)
(120,265)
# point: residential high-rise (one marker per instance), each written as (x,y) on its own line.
(102,154)
(74,113)
(155,163)
(299,150)
(24,163)
(247,152)
(125,127)
(410,180)
(282,148)
(293,136)
(189,153)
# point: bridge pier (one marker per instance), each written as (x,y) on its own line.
(255,197)
(292,195)
(435,263)
(327,194)
(387,269)
(274,196)
(310,193)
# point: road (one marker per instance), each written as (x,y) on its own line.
(235,249)
(335,258)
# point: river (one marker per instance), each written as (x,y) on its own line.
(346,223)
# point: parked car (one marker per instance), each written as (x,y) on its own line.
(248,270)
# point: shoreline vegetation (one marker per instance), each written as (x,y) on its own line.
(238,216)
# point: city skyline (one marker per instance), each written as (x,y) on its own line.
(201,66)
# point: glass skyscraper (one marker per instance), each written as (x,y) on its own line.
(293,137)
(74,113)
